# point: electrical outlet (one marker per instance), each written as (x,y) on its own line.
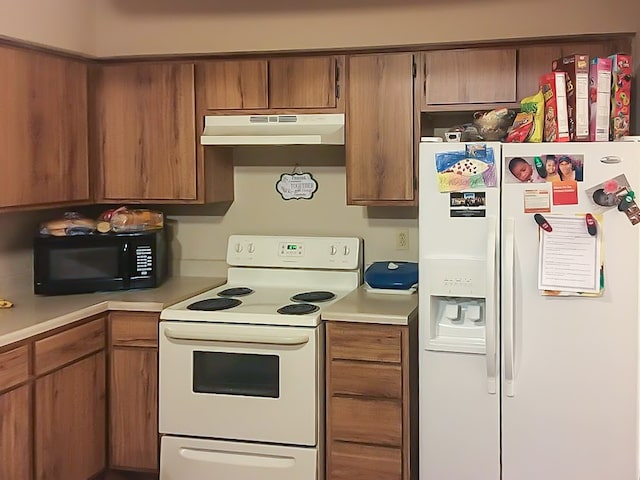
(402,240)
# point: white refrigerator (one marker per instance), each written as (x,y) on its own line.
(517,381)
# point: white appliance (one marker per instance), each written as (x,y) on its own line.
(241,390)
(516,385)
(305,129)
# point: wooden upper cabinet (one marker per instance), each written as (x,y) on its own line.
(380,129)
(43,129)
(303,82)
(267,85)
(145,138)
(468,77)
(535,60)
(233,84)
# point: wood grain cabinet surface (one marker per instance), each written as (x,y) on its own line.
(455,79)
(43,129)
(370,371)
(268,85)
(145,132)
(133,399)
(15,414)
(380,128)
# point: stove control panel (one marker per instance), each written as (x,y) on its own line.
(343,253)
(291,249)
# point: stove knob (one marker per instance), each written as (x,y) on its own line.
(252,248)
(347,250)
(334,250)
(238,248)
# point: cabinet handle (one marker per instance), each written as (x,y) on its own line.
(337,79)
(237,458)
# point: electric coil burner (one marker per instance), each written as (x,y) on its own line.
(318,296)
(241,366)
(236,292)
(213,304)
(298,309)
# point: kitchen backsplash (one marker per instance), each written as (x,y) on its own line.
(199,241)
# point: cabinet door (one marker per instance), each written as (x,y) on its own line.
(380,125)
(133,409)
(535,60)
(70,421)
(146,132)
(302,82)
(233,84)
(469,77)
(15,434)
(43,129)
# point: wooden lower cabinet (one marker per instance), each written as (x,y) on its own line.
(15,434)
(133,391)
(70,421)
(350,461)
(371,398)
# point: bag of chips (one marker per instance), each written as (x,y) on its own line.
(529,123)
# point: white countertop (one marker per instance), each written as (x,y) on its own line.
(363,306)
(34,314)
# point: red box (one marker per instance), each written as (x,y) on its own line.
(556,121)
(620,95)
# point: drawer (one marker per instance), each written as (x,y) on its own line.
(378,422)
(363,462)
(14,367)
(65,347)
(376,343)
(366,379)
(134,329)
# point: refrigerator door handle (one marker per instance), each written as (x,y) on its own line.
(508,311)
(490,307)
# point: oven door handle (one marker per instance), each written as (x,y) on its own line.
(258,339)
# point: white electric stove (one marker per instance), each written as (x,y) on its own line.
(242,365)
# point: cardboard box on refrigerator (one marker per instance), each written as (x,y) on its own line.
(556,121)
(599,98)
(577,80)
(620,95)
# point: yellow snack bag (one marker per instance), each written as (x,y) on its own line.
(534,105)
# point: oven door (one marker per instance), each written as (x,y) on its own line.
(240,382)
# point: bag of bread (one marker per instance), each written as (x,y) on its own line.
(136,220)
(72,223)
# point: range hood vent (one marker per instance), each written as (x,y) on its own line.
(307,129)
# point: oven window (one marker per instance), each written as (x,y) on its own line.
(236,374)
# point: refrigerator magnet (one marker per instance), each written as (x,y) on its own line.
(467,204)
(565,193)
(615,193)
(537,201)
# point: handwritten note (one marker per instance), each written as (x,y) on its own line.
(569,257)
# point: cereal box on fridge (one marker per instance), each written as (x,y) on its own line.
(577,69)
(620,95)
(599,99)
(556,122)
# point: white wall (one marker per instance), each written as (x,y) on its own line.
(63,24)
(126,27)
(200,238)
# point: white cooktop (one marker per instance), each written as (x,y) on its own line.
(279,268)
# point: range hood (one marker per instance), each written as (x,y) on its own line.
(307,129)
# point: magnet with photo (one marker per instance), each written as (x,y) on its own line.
(467,204)
(611,193)
(544,168)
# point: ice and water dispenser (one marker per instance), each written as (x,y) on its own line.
(459,300)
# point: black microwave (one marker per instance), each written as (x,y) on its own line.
(100,262)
